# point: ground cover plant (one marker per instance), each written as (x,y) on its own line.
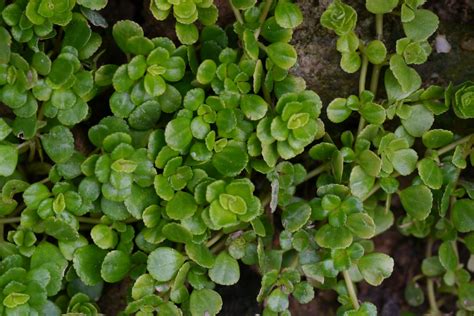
(194,151)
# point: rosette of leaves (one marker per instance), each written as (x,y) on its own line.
(125,173)
(52,212)
(231,203)
(341,108)
(463,100)
(292,127)
(28,283)
(186,12)
(81,303)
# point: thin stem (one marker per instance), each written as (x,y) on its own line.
(434,310)
(23,145)
(2,231)
(453,145)
(316,172)
(89,220)
(10,220)
(351,289)
(363,73)
(379,26)
(218,247)
(373,191)
(374,80)
(263,17)
(215,239)
(362,83)
(237,14)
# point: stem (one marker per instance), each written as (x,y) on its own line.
(237,14)
(434,310)
(362,82)
(373,191)
(10,220)
(89,220)
(2,230)
(316,172)
(215,239)
(263,17)
(453,145)
(218,247)
(374,80)
(379,26)
(23,145)
(351,289)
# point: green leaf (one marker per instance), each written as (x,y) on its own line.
(9,154)
(87,263)
(188,34)
(303,293)
(226,270)
(414,294)
(463,215)
(422,26)
(123,30)
(360,182)
(404,161)
(282,54)
(93,4)
(447,256)
(206,71)
(295,216)
(350,62)
(380,6)
(407,77)
(375,267)
(337,110)
(205,302)
(178,134)
(181,206)
(288,15)
(231,160)
(370,163)
(253,106)
(333,237)
(437,138)
(58,144)
(430,173)
(376,51)
(361,225)
(163,263)
(200,254)
(417,200)
(419,120)
(115,266)
(278,301)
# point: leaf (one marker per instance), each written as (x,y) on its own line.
(205,302)
(282,54)
(181,206)
(164,262)
(225,271)
(87,263)
(200,254)
(9,154)
(295,216)
(178,134)
(370,163)
(362,225)
(422,26)
(278,301)
(58,144)
(337,110)
(115,266)
(206,71)
(437,138)
(407,77)
(417,200)
(360,182)
(404,161)
(463,215)
(375,267)
(188,34)
(333,237)
(447,256)
(48,256)
(232,160)
(288,15)
(253,106)
(430,173)
(350,62)
(93,4)
(123,30)
(419,121)
(380,6)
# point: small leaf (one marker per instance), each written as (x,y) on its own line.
(225,271)
(430,173)
(422,26)
(58,144)
(417,200)
(115,266)
(282,54)
(463,215)
(380,6)
(163,263)
(9,160)
(205,302)
(288,15)
(375,267)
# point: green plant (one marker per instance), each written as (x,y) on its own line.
(196,167)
